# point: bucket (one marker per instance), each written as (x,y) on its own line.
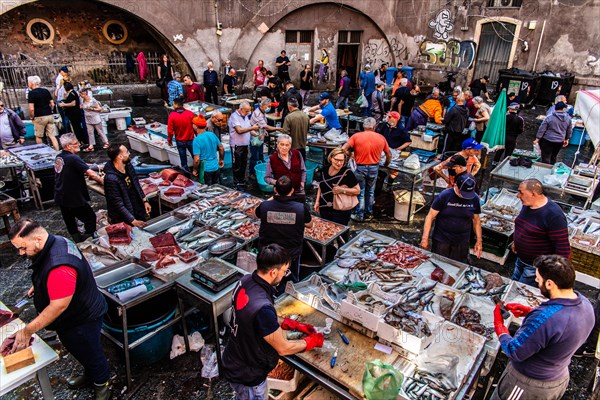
(227,159)
(260,169)
(29,130)
(140,100)
(46,178)
(401,211)
(310,171)
(142,320)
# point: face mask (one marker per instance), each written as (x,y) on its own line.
(268,110)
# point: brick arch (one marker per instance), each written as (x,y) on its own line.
(247,44)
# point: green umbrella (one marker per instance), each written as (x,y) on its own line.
(495,133)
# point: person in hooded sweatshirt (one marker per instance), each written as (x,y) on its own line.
(455,122)
(554,133)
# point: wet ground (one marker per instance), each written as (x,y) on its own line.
(180,378)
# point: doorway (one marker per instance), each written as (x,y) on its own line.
(495,48)
(347,55)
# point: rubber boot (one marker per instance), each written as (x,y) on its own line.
(103,391)
(78,381)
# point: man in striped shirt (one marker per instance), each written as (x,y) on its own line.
(540,229)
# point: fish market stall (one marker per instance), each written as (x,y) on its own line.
(38,160)
(584,236)
(322,234)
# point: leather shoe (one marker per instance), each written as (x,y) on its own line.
(103,392)
(78,381)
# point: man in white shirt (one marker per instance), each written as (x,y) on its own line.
(239,139)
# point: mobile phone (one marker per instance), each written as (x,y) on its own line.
(505,313)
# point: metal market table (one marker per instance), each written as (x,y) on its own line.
(218,303)
(44,356)
(198,108)
(36,158)
(417,176)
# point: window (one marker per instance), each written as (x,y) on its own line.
(298,36)
(40,31)
(115,32)
(504,3)
(349,37)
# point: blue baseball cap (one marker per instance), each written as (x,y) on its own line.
(324,95)
(471,144)
(466,183)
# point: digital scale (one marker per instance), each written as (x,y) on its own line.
(424,155)
(215,274)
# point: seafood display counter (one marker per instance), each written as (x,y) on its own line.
(36,158)
(408,300)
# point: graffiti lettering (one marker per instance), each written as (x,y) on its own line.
(524,86)
(442,24)
(378,51)
(453,53)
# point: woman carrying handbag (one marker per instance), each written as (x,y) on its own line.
(338,189)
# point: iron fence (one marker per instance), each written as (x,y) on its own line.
(115,68)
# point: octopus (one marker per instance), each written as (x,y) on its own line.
(493,280)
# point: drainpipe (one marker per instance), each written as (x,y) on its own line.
(218,34)
(537,53)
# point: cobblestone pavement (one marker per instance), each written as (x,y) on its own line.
(180,378)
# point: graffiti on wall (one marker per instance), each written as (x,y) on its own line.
(453,53)
(442,24)
(378,51)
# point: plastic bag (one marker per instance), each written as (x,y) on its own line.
(208,356)
(177,346)
(436,362)
(555,180)
(412,162)
(352,164)
(560,169)
(362,101)
(537,150)
(381,381)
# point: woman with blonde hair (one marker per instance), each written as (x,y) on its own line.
(336,178)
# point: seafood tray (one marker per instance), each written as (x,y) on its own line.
(497,224)
(174,271)
(428,267)
(450,342)
(209,192)
(402,255)
(162,223)
(474,281)
(444,301)
(36,157)
(365,241)
(141,241)
(583,239)
(233,220)
(323,232)
(9,161)
(120,271)
(485,309)
(248,230)
(313,292)
(523,294)
(246,202)
(225,246)
(211,215)
(199,238)
(504,204)
(415,342)
(227,197)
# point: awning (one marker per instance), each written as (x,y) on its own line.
(587,106)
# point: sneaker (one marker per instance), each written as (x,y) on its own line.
(356,218)
(585,354)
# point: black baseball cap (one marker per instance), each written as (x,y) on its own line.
(465,183)
(455,160)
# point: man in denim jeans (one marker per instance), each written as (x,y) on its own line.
(540,229)
(367,147)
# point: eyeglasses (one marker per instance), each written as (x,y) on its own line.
(338,160)
(287,272)
(76,144)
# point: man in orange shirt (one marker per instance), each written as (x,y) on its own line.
(430,109)
(367,147)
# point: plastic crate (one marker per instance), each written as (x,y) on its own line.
(419,143)
(585,262)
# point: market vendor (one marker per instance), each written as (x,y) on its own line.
(125,199)
(286,161)
(540,228)
(456,214)
(282,221)
(257,334)
(67,300)
(540,351)
(431,109)
(469,153)
(327,112)
(70,190)
(396,137)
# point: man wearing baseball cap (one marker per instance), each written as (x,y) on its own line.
(396,137)
(206,144)
(469,152)
(327,112)
(456,212)
(515,126)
